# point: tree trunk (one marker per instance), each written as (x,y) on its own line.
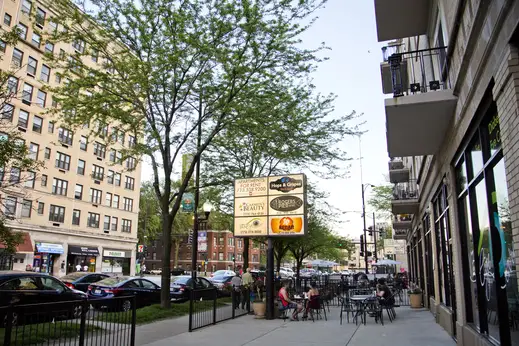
(177,247)
(167,222)
(246,246)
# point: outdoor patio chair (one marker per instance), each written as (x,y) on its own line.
(348,307)
(316,303)
(390,307)
(283,311)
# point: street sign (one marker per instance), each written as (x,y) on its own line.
(140,248)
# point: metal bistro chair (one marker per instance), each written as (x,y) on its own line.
(283,310)
(349,307)
(389,306)
(316,303)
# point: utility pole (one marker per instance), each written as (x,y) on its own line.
(365,237)
(194,244)
(375,237)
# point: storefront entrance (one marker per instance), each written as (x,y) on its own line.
(116,261)
(81,258)
(45,255)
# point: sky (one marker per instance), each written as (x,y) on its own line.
(353,74)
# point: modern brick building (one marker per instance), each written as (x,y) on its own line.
(216,253)
(81,209)
(451,69)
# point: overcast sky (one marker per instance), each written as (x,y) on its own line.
(353,74)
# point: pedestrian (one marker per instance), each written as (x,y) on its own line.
(247,282)
(236,283)
(78,267)
(143,269)
(85,268)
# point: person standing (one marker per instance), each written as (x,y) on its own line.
(247,282)
(78,267)
(236,283)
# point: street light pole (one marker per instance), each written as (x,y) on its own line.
(364,222)
(375,237)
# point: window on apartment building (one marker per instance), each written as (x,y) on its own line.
(10,206)
(94,55)
(95,196)
(14,177)
(41,208)
(116,202)
(41,98)
(7,19)
(106,223)
(220,256)
(32,66)
(59,187)
(27,93)
(78,192)
(17,59)
(129,183)
(44,180)
(37,124)
(56,213)
(49,48)
(46,153)
(83,143)
(26,208)
(131,141)
(54,26)
(255,258)
(240,243)
(111,155)
(81,167)
(131,163)
(98,172)
(128,204)
(40,17)
(113,227)
(76,217)
(26,6)
(108,199)
(12,85)
(45,73)
(30,179)
(230,241)
(65,136)
(126,226)
(119,157)
(229,256)
(3,46)
(79,45)
(93,220)
(99,149)
(239,257)
(117,179)
(110,177)
(22,31)
(62,161)
(50,127)
(33,151)
(36,39)
(7,112)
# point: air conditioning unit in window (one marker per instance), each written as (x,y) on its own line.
(106,231)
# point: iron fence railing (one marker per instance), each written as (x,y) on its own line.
(71,323)
(425,70)
(406,190)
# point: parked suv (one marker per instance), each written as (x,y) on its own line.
(285,272)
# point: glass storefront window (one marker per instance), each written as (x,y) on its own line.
(461,177)
(476,156)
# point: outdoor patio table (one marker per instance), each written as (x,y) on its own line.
(361,300)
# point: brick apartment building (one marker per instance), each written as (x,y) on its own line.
(214,254)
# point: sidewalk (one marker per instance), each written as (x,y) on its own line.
(412,327)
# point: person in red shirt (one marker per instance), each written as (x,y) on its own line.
(287,303)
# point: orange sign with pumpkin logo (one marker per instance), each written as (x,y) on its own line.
(286,225)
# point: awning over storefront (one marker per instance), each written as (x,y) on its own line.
(49,248)
(25,246)
(83,250)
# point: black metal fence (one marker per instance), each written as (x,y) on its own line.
(72,323)
(209,306)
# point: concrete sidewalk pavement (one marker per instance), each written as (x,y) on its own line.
(412,327)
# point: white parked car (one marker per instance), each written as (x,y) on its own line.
(156,271)
(223,273)
(285,272)
(346,272)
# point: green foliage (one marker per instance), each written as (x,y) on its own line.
(381,198)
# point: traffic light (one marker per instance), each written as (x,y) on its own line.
(370,231)
(233,259)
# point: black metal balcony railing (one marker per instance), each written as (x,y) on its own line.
(396,163)
(427,70)
(404,191)
(402,218)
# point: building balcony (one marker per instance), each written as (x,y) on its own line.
(400,234)
(423,104)
(401,18)
(402,221)
(405,198)
(398,173)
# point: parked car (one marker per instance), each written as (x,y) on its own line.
(156,271)
(20,288)
(146,292)
(308,273)
(223,272)
(182,286)
(286,272)
(346,272)
(81,280)
(222,283)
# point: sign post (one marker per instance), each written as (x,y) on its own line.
(273,206)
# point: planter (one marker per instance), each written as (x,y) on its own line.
(259,309)
(415,300)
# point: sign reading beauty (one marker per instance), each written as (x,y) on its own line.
(270,206)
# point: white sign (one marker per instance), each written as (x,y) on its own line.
(250,187)
(251,226)
(114,253)
(202,246)
(252,206)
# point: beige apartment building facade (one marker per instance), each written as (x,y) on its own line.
(452,67)
(79,212)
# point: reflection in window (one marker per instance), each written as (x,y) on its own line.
(476,154)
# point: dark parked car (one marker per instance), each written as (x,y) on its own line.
(20,288)
(222,283)
(146,292)
(182,286)
(81,280)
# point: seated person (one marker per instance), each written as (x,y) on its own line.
(287,303)
(384,293)
(313,293)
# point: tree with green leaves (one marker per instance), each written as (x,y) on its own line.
(381,199)
(176,74)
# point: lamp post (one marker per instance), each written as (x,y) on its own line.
(364,187)
(207,207)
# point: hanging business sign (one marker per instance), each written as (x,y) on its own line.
(270,206)
(188,202)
